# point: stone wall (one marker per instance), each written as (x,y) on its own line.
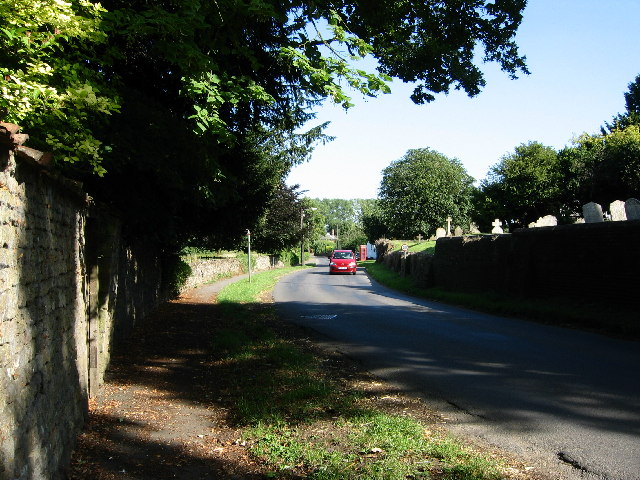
(204,270)
(593,263)
(71,288)
(69,285)
(43,322)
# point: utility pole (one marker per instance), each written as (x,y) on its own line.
(301,236)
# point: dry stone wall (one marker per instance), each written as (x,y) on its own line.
(208,269)
(592,263)
(43,351)
(596,263)
(69,286)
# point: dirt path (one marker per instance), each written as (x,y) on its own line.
(161,412)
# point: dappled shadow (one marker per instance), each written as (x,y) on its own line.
(483,365)
(164,411)
(170,405)
(113,448)
(43,389)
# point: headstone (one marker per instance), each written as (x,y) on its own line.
(440,232)
(449,226)
(546,221)
(618,213)
(473,229)
(592,213)
(632,209)
(497,226)
(419,237)
(457,232)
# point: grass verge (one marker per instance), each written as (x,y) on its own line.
(428,246)
(303,417)
(555,311)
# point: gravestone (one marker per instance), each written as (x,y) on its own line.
(457,232)
(473,229)
(546,221)
(632,209)
(617,210)
(440,232)
(592,213)
(497,226)
(449,226)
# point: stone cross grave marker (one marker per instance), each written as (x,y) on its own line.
(592,213)
(419,237)
(440,232)
(632,209)
(449,226)
(497,226)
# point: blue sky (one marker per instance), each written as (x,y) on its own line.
(582,55)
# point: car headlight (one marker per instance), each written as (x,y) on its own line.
(332,264)
(352,264)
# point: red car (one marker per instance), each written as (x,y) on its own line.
(342,261)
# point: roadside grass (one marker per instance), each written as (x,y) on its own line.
(303,420)
(555,311)
(428,246)
(245,291)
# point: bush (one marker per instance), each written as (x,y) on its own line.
(176,272)
(383,246)
(289,257)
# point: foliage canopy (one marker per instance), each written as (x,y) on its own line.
(191,110)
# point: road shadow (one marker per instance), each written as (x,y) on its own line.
(511,370)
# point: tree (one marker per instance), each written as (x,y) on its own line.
(279,227)
(603,168)
(48,78)
(173,101)
(522,187)
(338,212)
(372,220)
(632,104)
(419,191)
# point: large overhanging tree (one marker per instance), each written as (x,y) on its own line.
(183,114)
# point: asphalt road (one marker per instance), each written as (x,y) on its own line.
(567,400)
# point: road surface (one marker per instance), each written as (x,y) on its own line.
(567,400)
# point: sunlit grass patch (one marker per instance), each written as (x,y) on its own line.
(245,291)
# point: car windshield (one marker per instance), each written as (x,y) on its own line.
(342,255)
